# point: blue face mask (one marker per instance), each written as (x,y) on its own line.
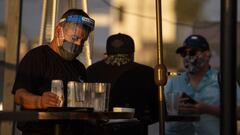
(69,50)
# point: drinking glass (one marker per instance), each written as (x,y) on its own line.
(101,96)
(57,88)
(72,86)
(84,95)
(172,103)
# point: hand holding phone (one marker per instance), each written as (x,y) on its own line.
(189,99)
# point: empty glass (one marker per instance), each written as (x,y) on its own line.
(101,96)
(72,86)
(172,103)
(84,95)
(57,88)
(93,95)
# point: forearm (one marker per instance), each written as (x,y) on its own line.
(27,99)
(213,110)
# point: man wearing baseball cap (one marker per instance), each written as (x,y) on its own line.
(200,83)
(132,84)
(120,57)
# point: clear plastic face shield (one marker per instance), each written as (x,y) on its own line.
(86,22)
(76,29)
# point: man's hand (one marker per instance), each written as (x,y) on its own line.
(49,99)
(31,101)
(198,108)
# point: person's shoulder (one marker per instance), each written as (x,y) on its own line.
(79,64)
(142,66)
(140,70)
(33,56)
(40,47)
(96,65)
(35,52)
(178,76)
(137,75)
(214,71)
(38,50)
(213,74)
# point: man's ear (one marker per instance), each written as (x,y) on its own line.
(208,53)
(59,32)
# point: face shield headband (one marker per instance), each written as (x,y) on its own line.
(85,21)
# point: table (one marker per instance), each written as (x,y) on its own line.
(103,117)
(85,116)
(183,117)
(73,115)
(68,115)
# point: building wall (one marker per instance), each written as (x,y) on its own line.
(180,19)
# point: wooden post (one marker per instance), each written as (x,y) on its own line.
(160,69)
(228,66)
(87,48)
(13,21)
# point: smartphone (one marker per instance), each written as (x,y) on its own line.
(190,100)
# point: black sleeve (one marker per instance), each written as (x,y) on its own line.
(83,72)
(24,74)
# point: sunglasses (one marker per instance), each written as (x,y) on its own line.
(190,52)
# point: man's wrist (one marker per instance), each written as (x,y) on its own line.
(39,102)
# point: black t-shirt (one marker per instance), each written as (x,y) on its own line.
(102,72)
(41,65)
(35,72)
(136,88)
(132,85)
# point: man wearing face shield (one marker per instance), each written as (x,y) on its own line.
(56,61)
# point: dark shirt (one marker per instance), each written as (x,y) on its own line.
(132,85)
(136,89)
(35,72)
(41,65)
(102,72)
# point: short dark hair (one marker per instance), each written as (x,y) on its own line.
(74,11)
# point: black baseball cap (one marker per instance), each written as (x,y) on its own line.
(120,44)
(196,42)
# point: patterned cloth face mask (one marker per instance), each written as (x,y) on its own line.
(193,64)
(119,59)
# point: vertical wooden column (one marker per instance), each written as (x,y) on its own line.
(43,22)
(50,9)
(160,69)
(13,21)
(72,3)
(228,66)
(87,47)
